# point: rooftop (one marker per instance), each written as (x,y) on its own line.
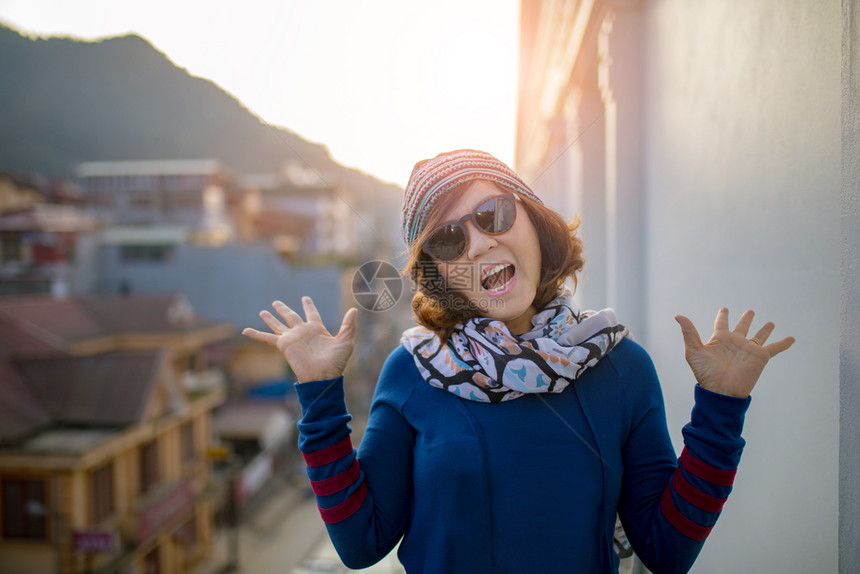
(72,441)
(105,390)
(42,324)
(49,217)
(150,167)
(90,361)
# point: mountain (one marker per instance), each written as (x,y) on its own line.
(63,101)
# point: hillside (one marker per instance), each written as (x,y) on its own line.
(64,101)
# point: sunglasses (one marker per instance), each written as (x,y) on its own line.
(494,216)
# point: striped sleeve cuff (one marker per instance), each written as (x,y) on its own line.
(340,493)
(329,454)
(345,509)
(338,482)
(686,505)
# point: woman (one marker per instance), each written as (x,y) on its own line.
(508,430)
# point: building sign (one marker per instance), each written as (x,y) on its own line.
(165,510)
(95,541)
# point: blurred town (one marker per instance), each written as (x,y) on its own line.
(139,431)
(146,217)
(134,424)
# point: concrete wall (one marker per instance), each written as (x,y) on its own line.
(849,428)
(743,160)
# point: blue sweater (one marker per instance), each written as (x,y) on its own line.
(529,485)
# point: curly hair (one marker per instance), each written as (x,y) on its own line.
(439,307)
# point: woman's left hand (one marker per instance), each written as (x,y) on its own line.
(729,363)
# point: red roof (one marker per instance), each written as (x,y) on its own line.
(52,321)
(21,412)
(142,314)
(15,342)
(112,389)
(41,385)
(44,325)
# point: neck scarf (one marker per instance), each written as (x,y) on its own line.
(483,361)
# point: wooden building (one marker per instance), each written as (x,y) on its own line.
(104,427)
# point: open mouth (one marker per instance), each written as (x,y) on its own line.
(498,278)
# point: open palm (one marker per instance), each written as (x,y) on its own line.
(312,352)
(729,363)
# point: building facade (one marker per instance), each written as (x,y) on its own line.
(303,214)
(190,193)
(40,222)
(105,422)
(709,149)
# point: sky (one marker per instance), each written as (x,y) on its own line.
(382,83)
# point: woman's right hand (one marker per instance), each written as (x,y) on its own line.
(312,352)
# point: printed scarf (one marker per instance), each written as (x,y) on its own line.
(483,361)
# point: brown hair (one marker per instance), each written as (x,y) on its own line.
(439,307)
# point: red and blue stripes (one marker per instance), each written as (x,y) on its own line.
(686,505)
(348,483)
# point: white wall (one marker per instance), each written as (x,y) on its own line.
(743,155)
(849,398)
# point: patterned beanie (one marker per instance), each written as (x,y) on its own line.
(432,178)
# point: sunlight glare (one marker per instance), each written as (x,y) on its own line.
(381,83)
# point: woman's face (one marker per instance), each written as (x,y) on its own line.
(498,274)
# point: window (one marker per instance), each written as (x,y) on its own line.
(187,534)
(186,435)
(25,510)
(146,253)
(151,562)
(10,247)
(148,466)
(101,480)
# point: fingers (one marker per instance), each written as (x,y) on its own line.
(722,321)
(742,327)
(291,318)
(347,327)
(266,338)
(779,346)
(763,333)
(689,332)
(311,313)
(276,326)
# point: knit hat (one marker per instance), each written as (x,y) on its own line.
(431,178)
